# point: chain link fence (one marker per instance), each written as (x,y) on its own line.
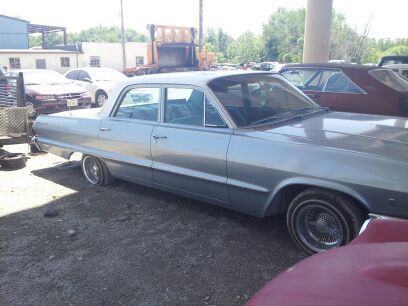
(14,124)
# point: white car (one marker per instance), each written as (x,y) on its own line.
(399,68)
(97,81)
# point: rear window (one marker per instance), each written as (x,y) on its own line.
(390,79)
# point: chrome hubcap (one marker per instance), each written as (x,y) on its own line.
(91,170)
(319,228)
(101,100)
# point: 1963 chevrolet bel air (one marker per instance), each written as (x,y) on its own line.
(246,141)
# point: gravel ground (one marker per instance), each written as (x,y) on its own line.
(127,244)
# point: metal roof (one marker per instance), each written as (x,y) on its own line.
(40,28)
(14,18)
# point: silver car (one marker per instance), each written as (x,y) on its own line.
(250,142)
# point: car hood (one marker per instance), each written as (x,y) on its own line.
(370,134)
(57,89)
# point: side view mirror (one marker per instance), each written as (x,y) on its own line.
(87,80)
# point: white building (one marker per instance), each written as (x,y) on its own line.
(89,54)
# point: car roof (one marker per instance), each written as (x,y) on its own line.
(333,66)
(197,78)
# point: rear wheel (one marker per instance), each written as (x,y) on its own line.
(319,220)
(95,171)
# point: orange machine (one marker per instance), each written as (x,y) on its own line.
(170,49)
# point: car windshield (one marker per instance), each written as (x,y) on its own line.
(390,79)
(44,77)
(260,98)
(107,75)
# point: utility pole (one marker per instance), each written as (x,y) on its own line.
(317,31)
(200,26)
(122,30)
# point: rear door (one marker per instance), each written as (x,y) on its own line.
(189,147)
(124,137)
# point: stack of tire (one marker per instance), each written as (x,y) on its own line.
(11,161)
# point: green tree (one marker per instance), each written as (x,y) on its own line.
(246,48)
(219,39)
(283,35)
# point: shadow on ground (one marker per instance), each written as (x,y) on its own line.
(135,245)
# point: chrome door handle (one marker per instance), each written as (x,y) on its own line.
(159,137)
(102,129)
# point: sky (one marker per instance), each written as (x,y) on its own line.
(388,18)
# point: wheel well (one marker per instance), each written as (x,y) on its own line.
(281,201)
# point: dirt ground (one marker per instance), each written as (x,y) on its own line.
(127,244)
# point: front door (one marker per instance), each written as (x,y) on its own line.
(124,137)
(189,148)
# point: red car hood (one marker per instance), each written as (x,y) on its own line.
(57,89)
(362,273)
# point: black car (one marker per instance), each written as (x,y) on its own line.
(393,59)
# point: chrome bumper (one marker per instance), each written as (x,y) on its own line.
(372,217)
(34,142)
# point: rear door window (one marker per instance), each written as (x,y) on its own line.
(184,106)
(339,83)
(307,79)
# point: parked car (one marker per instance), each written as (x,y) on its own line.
(248,141)
(226,66)
(393,59)
(97,81)
(49,92)
(351,88)
(402,69)
(371,270)
(267,66)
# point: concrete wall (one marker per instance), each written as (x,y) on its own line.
(13,33)
(111,54)
(28,59)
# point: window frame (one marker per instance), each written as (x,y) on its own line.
(122,95)
(13,60)
(207,96)
(138,58)
(93,57)
(65,59)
